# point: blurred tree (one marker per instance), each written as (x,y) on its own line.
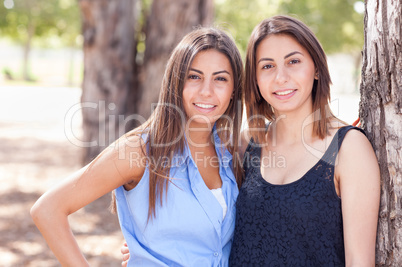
(126,45)
(25,20)
(109,68)
(166,24)
(381,116)
(336,23)
(240,17)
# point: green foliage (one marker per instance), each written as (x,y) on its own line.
(46,19)
(337,25)
(8,74)
(240,17)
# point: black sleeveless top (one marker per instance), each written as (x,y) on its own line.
(295,224)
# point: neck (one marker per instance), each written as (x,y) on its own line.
(199,136)
(293,127)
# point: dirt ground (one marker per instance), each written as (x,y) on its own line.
(36,153)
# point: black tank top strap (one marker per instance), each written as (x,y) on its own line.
(254,147)
(250,145)
(249,153)
(334,147)
(253,151)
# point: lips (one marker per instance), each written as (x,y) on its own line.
(204,108)
(284,94)
(204,105)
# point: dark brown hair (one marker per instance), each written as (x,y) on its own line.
(257,108)
(167,123)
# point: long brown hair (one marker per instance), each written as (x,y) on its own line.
(257,108)
(167,122)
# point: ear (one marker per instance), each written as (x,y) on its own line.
(316,75)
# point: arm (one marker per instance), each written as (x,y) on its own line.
(359,177)
(101,176)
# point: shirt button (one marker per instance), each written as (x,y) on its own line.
(216,254)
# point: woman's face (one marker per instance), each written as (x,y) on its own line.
(208,87)
(285,74)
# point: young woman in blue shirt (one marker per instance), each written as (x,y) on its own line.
(175,176)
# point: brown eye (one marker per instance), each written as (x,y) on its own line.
(223,79)
(193,77)
(268,66)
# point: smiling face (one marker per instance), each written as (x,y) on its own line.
(285,74)
(208,87)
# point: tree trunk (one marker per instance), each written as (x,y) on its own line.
(27,49)
(381,116)
(108,30)
(166,25)
(113,84)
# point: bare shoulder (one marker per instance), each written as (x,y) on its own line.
(356,155)
(127,155)
(356,141)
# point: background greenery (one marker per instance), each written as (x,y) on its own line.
(56,24)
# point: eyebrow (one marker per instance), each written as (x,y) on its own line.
(215,73)
(285,57)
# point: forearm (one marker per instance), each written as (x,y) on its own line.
(56,230)
(50,213)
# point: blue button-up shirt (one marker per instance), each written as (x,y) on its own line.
(188,229)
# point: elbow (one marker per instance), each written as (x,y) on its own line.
(47,211)
(36,213)
(40,213)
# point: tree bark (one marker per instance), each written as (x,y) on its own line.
(381,116)
(114,85)
(28,42)
(166,25)
(108,30)
(27,50)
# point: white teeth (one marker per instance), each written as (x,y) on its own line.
(204,105)
(284,92)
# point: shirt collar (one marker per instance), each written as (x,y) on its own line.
(223,153)
(221,149)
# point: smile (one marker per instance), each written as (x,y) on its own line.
(204,105)
(286,92)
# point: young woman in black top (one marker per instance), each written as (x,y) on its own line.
(306,200)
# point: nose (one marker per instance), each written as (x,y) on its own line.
(281,75)
(206,88)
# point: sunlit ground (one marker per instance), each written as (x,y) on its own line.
(35,155)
